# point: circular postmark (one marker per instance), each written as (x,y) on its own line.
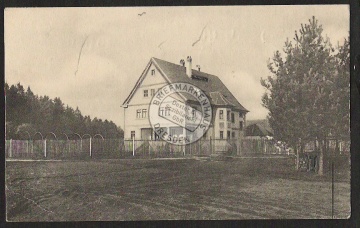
(180,113)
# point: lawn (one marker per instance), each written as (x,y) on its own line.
(251,188)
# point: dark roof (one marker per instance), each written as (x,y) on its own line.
(219,99)
(263,122)
(258,129)
(217,92)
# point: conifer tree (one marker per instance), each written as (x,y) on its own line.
(306,89)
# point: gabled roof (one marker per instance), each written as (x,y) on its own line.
(216,91)
(258,128)
(263,122)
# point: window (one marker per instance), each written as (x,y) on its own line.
(221,114)
(132,134)
(193,113)
(152,92)
(221,135)
(146,93)
(164,111)
(240,115)
(228,134)
(233,134)
(161,112)
(138,113)
(167,111)
(152,72)
(146,134)
(228,115)
(141,113)
(241,125)
(144,112)
(232,118)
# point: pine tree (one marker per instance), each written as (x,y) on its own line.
(301,97)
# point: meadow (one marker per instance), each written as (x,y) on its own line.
(172,189)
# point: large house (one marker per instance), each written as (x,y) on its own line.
(228,115)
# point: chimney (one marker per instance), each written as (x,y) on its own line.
(182,62)
(198,66)
(188,66)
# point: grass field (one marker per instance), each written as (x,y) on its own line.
(260,188)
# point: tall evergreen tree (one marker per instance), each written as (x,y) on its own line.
(301,87)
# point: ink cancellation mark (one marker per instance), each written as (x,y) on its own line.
(180,113)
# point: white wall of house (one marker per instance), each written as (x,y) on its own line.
(226,125)
(150,85)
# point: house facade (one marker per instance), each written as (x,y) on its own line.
(228,115)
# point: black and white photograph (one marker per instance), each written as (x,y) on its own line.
(177,113)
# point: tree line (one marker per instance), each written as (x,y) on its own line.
(308,90)
(26,113)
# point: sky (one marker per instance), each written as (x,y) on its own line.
(92,57)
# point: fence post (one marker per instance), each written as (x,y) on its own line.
(211,149)
(200,145)
(31,147)
(45,148)
(133,146)
(340,147)
(90,147)
(103,148)
(10,149)
(190,148)
(68,142)
(241,145)
(120,146)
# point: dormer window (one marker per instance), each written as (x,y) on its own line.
(146,93)
(152,72)
(200,78)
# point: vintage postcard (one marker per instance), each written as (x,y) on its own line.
(177,113)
